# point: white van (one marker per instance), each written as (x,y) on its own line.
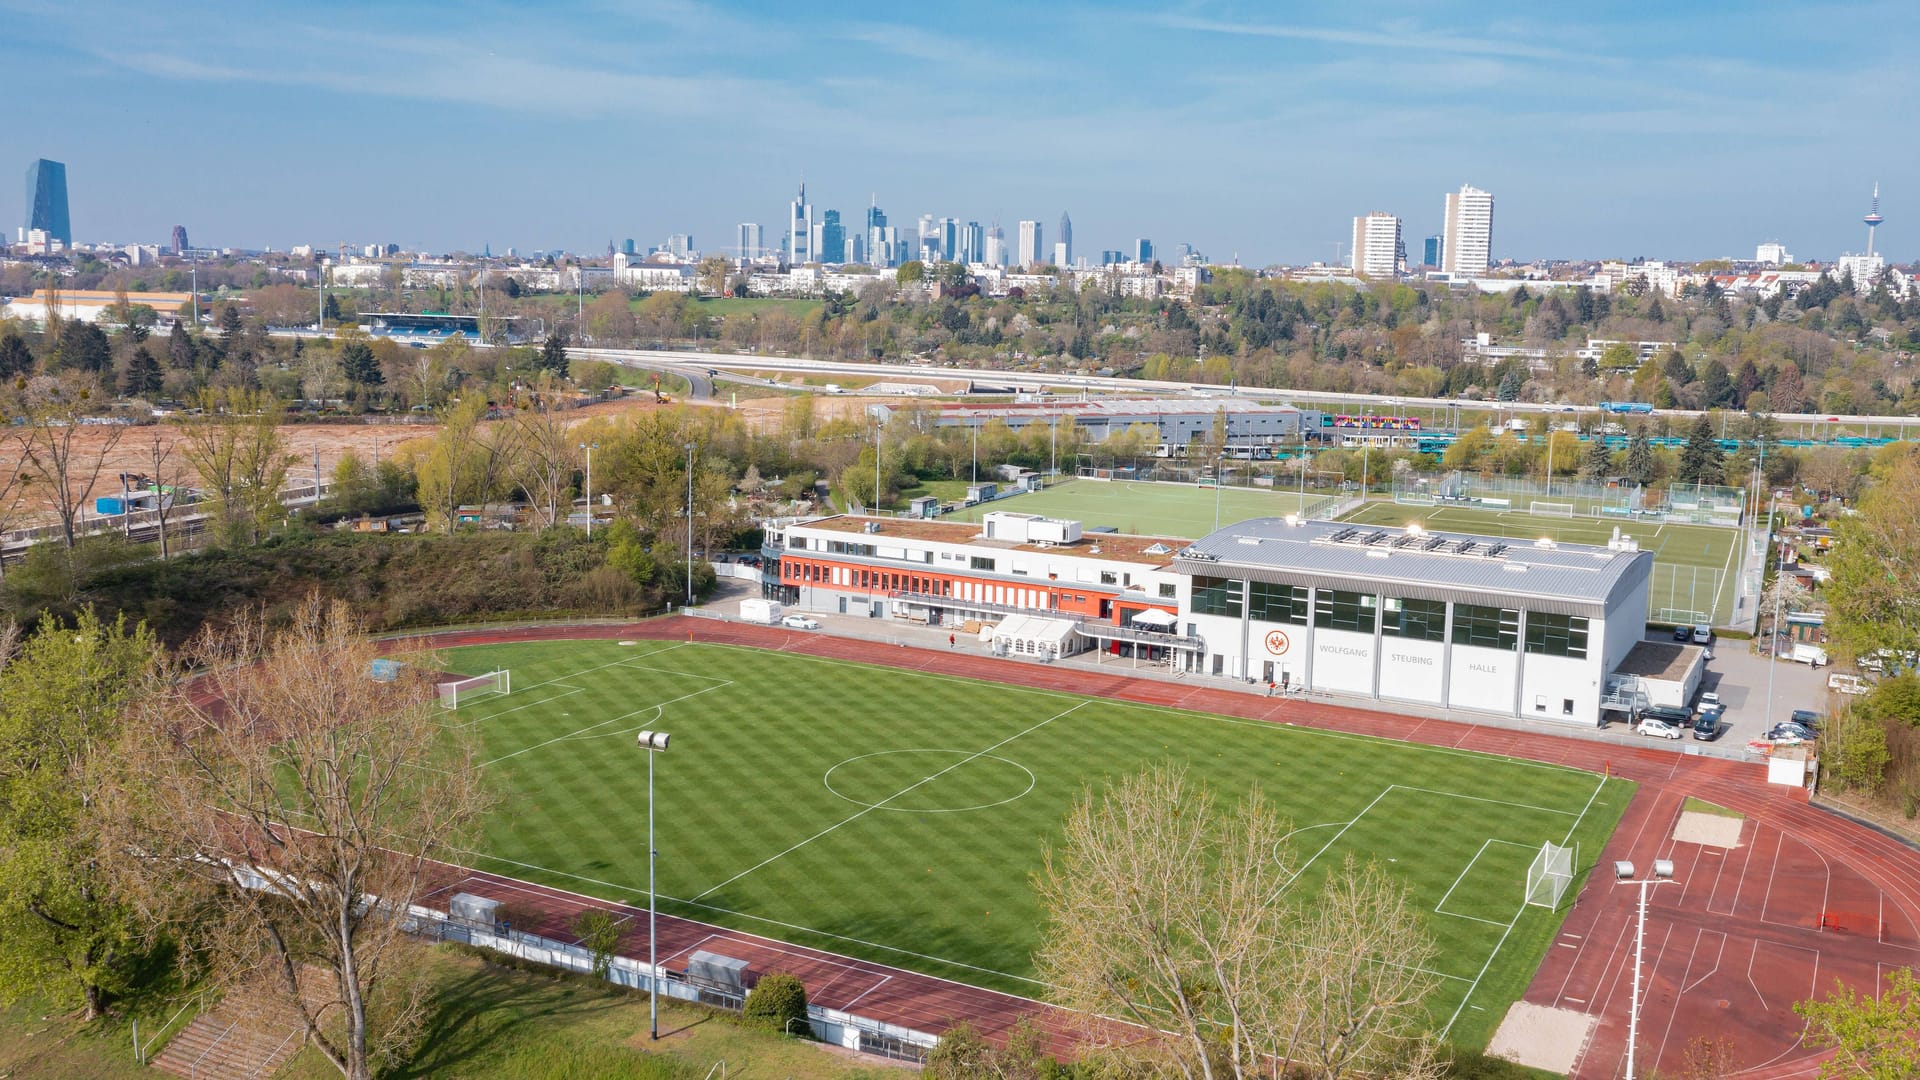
(1811,655)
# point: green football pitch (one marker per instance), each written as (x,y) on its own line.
(1148,509)
(899,816)
(1695,567)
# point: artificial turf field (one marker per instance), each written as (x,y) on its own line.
(1695,567)
(1146,508)
(898,816)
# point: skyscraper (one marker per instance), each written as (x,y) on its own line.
(1028,254)
(879,238)
(47,200)
(833,239)
(179,241)
(800,229)
(993,252)
(748,239)
(949,232)
(1143,250)
(1469,232)
(628,247)
(1063,242)
(1431,254)
(1376,245)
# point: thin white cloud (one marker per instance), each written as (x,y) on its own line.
(1399,36)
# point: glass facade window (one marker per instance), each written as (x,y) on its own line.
(1337,609)
(1167,591)
(1216,596)
(1279,603)
(1557,635)
(1419,620)
(978,562)
(1486,627)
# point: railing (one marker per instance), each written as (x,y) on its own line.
(261,1069)
(1092,628)
(144,1051)
(193,1070)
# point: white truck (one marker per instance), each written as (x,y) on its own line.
(764,612)
(1810,655)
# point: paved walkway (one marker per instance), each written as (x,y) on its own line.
(1760,920)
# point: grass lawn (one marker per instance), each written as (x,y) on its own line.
(1702,806)
(899,816)
(725,306)
(1148,509)
(944,490)
(1694,565)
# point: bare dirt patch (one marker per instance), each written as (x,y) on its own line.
(1540,1037)
(1710,830)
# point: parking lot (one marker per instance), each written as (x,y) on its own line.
(1739,676)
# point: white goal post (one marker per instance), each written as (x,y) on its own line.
(1550,509)
(1550,875)
(454,694)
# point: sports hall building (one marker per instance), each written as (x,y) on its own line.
(1528,629)
(1510,627)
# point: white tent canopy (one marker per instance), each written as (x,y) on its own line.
(1029,635)
(1155,617)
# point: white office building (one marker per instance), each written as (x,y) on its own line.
(1772,253)
(1467,248)
(1440,619)
(1377,247)
(1029,252)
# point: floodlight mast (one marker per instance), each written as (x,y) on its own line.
(652,742)
(1623,872)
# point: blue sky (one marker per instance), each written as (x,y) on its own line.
(1681,130)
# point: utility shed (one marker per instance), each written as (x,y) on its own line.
(1663,672)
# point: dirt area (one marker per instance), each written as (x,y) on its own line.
(133,451)
(1712,830)
(1540,1037)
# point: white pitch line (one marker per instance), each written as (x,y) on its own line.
(1460,878)
(1478,798)
(603,723)
(1336,836)
(515,709)
(870,809)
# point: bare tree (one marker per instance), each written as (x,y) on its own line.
(283,810)
(66,455)
(545,459)
(468,460)
(1178,916)
(234,443)
(13,487)
(166,478)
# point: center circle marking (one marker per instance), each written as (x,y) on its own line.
(966,757)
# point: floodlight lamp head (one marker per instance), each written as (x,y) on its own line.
(1622,869)
(1662,869)
(652,740)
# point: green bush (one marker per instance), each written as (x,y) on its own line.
(778,1002)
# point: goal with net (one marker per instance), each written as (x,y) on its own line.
(1549,876)
(1550,509)
(460,691)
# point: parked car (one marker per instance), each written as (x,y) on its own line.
(1790,729)
(1703,634)
(800,622)
(1679,718)
(1659,729)
(1710,702)
(1806,718)
(1683,633)
(1707,728)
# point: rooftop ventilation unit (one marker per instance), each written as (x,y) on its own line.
(1374,537)
(1464,546)
(1342,536)
(1433,542)
(1495,551)
(1404,539)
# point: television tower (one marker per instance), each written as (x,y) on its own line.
(1873,218)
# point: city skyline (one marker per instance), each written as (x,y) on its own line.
(1566,118)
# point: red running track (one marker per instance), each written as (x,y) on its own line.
(1729,948)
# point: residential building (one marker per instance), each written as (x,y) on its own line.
(800,229)
(47,201)
(1029,253)
(1377,251)
(1467,246)
(747,241)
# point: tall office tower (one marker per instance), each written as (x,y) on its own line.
(1376,245)
(833,238)
(949,231)
(1028,253)
(179,241)
(1110,257)
(628,247)
(856,248)
(1430,255)
(47,201)
(800,230)
(679,245)
(1772,253)
(747,240)
(1469,232)
(973,243)
(1063,242)
(879,242)
(1143,250)
(994,251)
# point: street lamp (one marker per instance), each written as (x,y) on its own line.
(653,742)
(689,602)
(590,448)
(1623,873)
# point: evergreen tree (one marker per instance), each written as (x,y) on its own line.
(1716,386)
(1597,464)
(85,347)
(1641,466)
(553,354)
(1510,385)
(141,377)
(1701,460)
(331,312)
(179,348)
(15,358)
(360,366)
